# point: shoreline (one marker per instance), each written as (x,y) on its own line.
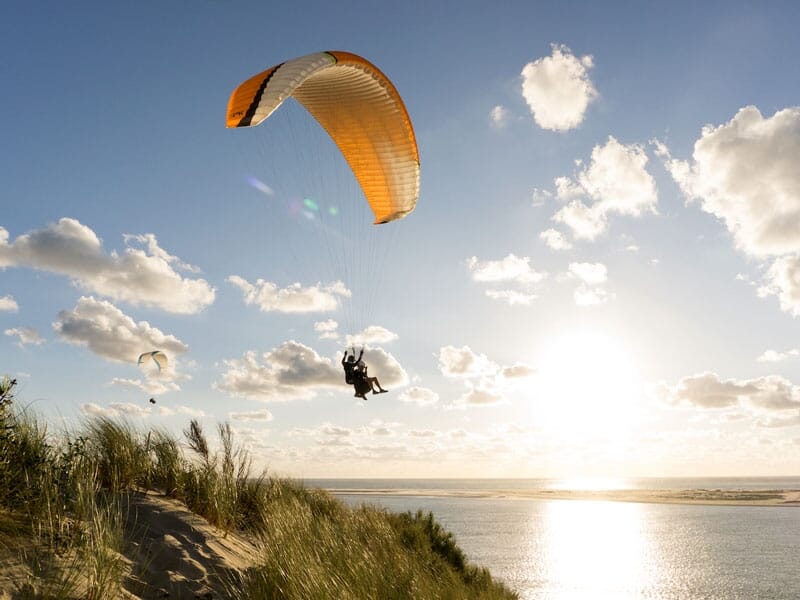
(711,497)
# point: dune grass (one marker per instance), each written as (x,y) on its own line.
(63,506)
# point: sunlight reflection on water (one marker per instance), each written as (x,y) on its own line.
(597,547)
(571,549)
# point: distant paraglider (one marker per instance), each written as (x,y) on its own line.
(157,356)
(152,400)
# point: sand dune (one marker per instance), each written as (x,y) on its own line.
(169,552)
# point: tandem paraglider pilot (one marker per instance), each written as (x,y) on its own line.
(355,374)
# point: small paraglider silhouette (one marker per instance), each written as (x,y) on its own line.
(152,400)
(157,356)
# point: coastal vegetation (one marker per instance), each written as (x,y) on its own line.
(74,522)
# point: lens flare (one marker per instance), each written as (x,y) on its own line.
(260,185)
(310,204)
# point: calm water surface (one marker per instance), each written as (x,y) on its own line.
(569,549)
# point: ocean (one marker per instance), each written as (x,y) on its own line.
(580,549)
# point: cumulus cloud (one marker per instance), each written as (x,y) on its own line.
(8,304)
(745,173)
(327,330)
(585,295)
(374,334)
(513,270)
(154,387)
(540,197)
(555,239)
(498,116)
(25,335)
(557,88)
(592,276)
(517,371)
(510,268)
(463,362)
(115,409)
(479,396)
(770,394)
(782,279)
(423,433)
(485,381)
(138,276)
(294,371)
(615,182)
(420,396)
(109,333)
(511,297)
(253,415)
(292,299)
(589,273)
(774,356)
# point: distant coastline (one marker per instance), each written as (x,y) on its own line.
(721,497)
(724,491)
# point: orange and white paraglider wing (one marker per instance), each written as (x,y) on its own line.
(361,111)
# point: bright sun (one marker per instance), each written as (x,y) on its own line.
(587,385)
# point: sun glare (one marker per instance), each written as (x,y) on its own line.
(587,386)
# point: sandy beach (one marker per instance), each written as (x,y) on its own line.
(719,497)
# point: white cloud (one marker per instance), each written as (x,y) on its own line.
(294,371)
(149,240)
(327,330)
(557,89)
(589,273)
(479,396)
(374,334)
(110,334)
(774,356)
(592,275)
(616,182)
(585,295)
(510,268)
(154,387)
(782,279)
(555,239)
(292,299)
(115,409)
(463,362)
(420,396)
(26,335)
(8,304)
(517,371)
(424,433)
(498,116)
(254,415)
(745,173)
(168,411)
(140,277)
(540,197)
(511,297)
(586,222)
(768,394)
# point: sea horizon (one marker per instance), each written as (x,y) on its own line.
(754,482)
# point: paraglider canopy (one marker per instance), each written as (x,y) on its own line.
(362,113)
(157,356)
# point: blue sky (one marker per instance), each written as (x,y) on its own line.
(600,278)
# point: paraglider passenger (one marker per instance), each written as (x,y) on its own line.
(355,374)
(371,382)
